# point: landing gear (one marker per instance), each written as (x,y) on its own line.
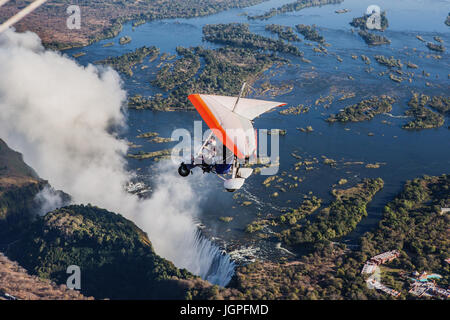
(183,170)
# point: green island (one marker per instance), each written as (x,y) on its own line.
(283,32)
(124,40)
(436,47)
(293,6)
(366,59)
(361,22)
(364,110)
(147,135)
(79,54)
(154,155)
(440,104)
(413,224)
(226,219)
(411,65)
(389,62)
(341,11)
(336,220)
(373,39)
(395,78)
(239,35)
(424,118)
(153,138)
(287,220)
(176,73)
(274,89)
(310,33)
(223,71)
(124,63)
(447,20)
(295,110)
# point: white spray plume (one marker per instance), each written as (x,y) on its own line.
(59,115)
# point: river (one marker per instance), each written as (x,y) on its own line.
(402,154)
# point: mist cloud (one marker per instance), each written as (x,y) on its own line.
(59,115)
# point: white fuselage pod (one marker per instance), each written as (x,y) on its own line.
(234,184)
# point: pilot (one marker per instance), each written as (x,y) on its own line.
(209,152)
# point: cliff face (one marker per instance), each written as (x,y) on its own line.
(19,185)
(115,257)
(13,166)
(16,283)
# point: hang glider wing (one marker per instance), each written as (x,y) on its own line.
(231,120)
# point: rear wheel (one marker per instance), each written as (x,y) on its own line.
(183,170)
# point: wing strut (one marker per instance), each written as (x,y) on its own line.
(21,14)
(240,95)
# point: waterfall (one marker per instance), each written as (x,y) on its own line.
(214,265)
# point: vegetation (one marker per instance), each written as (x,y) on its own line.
(19,185)
(12,164)
(223,71)
(440,104)
(17,282)
(412,65)
(373,39)
(425,118)
(364,110)
(295,110)
(116,258)
(307,207)
(389,62)
(310,33)
(124,63)
(289,219)
(139,22)
(155,155)
(337,220)
(239,35)
(124,40)
(293,6)
(79,54)
(98,242)
(105,18)
(172,75)
(447,21)
(436,47)
(334,221)
(395,78)
(283,32)
(411,223)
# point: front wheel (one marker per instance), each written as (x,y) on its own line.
(183,170)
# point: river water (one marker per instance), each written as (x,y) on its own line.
(403,154)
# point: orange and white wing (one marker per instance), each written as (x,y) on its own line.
(232,124)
